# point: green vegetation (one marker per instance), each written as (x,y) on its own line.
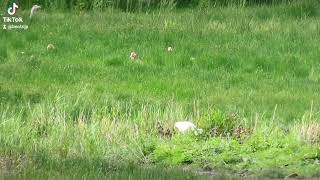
(248,76)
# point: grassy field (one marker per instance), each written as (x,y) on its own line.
(248,76)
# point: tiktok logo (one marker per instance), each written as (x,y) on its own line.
(12,22)
(12,10)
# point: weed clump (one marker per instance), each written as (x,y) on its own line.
(218,123)
(164,132)
(309,132)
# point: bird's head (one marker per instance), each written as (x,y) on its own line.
(36,7)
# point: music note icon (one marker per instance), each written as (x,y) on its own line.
(12,10)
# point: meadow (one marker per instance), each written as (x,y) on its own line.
(249,76)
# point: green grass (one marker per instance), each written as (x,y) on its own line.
(87,100)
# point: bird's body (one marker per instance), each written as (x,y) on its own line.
(34,9)
(184,126)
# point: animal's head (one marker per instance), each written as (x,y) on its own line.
(133,56)
(36,7)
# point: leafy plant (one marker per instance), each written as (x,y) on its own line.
(217,123)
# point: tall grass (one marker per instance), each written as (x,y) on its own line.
(99,139)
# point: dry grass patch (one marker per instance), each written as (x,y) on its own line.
(309,132)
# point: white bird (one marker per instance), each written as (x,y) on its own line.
(50,47)
(34,9)
(186,126)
